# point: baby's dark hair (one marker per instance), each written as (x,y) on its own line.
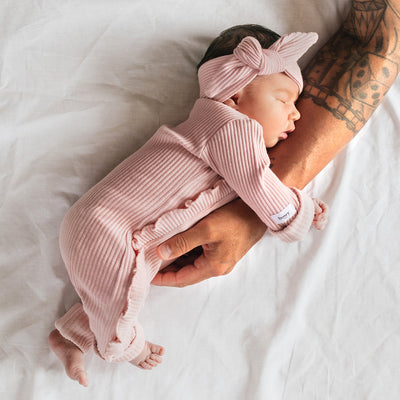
(228,40)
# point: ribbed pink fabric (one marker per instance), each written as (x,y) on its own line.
(108,239)
(222,77)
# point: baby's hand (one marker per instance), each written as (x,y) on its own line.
(320,214)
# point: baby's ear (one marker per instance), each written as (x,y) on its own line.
(232,102)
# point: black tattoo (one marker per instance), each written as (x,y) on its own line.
(351,74)
(392,5)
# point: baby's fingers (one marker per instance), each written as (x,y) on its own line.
(320,222)
(320,214)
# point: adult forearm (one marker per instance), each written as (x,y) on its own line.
(344,84)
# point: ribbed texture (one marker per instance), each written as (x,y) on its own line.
(79,319)
(108,239)
(222,77)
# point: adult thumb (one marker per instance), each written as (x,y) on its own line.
(181,243)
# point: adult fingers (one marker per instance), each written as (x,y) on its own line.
(190,274)
(210,264)
(183,242)
(185,276)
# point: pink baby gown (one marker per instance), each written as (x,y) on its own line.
(109,237)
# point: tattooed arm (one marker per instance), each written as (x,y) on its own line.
(343,86)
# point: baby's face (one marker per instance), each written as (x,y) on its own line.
(270,100)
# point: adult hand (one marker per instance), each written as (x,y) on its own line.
(225,236)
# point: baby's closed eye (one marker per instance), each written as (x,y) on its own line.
(286,101)
(282,99)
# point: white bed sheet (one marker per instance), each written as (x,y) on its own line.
(83,84)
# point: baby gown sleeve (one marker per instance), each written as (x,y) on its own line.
(237,153)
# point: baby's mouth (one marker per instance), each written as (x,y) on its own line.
(285,135)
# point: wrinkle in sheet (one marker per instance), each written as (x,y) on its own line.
(288,371)
(316,321)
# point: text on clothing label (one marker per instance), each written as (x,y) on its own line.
(284,216)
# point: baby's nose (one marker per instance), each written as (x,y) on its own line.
(295,115)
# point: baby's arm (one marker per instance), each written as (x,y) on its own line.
(237,153)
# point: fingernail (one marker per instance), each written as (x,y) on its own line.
(165,251)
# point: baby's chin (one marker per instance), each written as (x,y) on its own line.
(273,143)
(270,145)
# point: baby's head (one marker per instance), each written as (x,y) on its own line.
(251,69)
(227,41)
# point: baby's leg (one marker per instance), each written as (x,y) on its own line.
(112,279)
(150,357)
(111,285)
(71,357)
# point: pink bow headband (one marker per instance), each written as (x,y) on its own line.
(222,77)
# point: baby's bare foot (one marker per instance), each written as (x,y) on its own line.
(150,356)
(71,356)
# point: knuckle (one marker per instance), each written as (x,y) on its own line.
(207,231)
(228,270)
(222,269)
(217,272)
(180,244)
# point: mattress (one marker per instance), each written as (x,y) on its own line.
(83,84)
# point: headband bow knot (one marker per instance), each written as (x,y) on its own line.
(249,52)
(222,77)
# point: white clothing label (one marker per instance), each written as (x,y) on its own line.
(287,213)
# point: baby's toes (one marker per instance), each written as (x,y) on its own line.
(156,358)
(145,365)
(151,362)
(156,349)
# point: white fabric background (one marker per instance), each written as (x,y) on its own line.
(82,85)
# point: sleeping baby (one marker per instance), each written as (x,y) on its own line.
(109,237)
